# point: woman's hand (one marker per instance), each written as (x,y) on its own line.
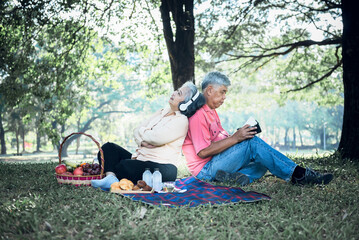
(147,145)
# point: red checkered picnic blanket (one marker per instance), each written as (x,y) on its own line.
(198,193)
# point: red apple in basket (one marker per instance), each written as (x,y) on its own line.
(68,174)
(78,171)
(60,169)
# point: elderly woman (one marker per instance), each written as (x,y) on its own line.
(159,140)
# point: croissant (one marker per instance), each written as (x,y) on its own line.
(115,185)
(126,184)
(123,184)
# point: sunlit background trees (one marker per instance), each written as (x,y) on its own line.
(102,66)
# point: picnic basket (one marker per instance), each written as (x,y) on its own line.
(76,179)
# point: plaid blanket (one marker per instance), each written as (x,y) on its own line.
(198,193)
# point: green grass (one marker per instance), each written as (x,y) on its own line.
(35,206)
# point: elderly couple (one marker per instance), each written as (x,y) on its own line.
(191,123)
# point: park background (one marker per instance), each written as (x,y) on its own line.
(103,74)
(101,67)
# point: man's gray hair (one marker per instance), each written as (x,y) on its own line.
(215,78)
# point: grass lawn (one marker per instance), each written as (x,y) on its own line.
(35,206)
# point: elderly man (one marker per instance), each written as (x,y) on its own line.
(212,154)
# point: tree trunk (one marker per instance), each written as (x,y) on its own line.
(74,137)
(2,136)
(78,139)
(38,140)
(286,137)
(301,138)
(294,139)
(349,141)
(321,138)
(277,137)
(17,142)
(23,138)
(181,46)
(77,145)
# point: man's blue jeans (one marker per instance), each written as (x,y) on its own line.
(252,157)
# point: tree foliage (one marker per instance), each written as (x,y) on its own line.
(55,54)
(254,34)
(44,49)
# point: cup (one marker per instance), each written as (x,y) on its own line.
(168,186)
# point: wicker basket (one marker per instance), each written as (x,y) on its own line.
(80,180)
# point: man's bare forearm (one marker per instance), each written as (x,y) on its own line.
(217,147)
(244,133)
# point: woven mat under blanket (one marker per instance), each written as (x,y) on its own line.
(198,193)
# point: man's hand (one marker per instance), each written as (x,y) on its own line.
(147,145)
(244,133)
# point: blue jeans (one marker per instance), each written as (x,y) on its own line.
(252,157)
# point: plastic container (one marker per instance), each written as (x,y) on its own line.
(157,180)
(147,177)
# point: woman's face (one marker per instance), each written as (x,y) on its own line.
(177,97)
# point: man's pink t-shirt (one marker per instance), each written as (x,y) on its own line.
(203,129)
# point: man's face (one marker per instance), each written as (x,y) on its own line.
(216,96)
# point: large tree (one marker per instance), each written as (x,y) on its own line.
(179,41)
(349,141)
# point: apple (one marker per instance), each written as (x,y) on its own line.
(68,173)
(78,171)
(60,169)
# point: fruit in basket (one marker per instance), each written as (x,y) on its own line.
(83,164)
(60,169)
(70,169)
(78,171)
(87,168)
(91,169)
(71,163)
(68,174)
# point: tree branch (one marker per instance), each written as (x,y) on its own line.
(103,104)
(316,26)
(156,27)
(245,12)
(328,6)
(133,9)
(318,80)
(290,46)
(109,112)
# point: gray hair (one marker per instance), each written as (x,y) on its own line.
(215,78)
(191,93)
